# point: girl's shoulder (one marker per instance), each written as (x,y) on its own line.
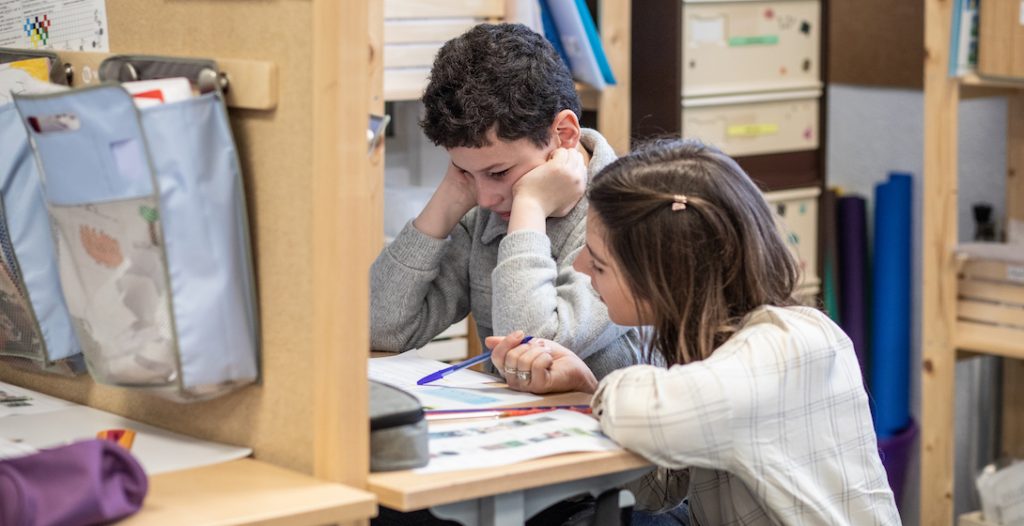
(787,331)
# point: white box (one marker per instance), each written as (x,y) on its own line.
(755,124)
(797,217)
(742,47)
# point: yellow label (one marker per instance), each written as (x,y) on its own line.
(751,130)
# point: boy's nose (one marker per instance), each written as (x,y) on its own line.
(579,264)
(487,197)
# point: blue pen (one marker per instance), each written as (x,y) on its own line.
(433,377)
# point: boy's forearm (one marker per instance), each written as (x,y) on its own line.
(437,219)
(527,214)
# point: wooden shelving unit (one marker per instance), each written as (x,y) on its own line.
(944,332)
(309,183)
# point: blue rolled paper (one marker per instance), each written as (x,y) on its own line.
(851,224)
(890,340)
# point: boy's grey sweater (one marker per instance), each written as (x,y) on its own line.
(520,281)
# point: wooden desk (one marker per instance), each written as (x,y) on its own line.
(508,494)
(249,492)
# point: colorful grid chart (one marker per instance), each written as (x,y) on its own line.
(79,25)
(38,30)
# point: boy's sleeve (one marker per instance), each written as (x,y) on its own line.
(418,287)
(547,298)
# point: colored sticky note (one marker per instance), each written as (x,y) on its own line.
(754,40)
(751,130)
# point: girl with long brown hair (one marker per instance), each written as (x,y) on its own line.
(753,408)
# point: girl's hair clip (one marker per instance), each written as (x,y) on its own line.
(679,202)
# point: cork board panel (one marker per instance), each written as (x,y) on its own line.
(274,418)
(876,43)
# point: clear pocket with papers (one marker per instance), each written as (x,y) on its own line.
(150,223)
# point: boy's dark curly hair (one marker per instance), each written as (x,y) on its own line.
(504,76)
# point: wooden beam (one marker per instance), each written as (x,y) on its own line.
(342,251)
(941,97)
(613,118)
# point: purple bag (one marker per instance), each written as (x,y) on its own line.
(89,482)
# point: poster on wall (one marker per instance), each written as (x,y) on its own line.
(59,25)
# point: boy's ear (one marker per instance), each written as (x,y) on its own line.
(566,128)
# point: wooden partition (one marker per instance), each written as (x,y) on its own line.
(314,197)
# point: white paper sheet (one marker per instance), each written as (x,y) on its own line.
(16,79)
(9,449)
(17,401)
(487,443)
(463,389)
(61,423)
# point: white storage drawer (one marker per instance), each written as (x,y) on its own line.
(755,124)
(797,214)
(737,47)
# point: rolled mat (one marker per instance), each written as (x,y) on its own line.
(890,306)
(829,255)
(853,274)
(895,452)
(90,482)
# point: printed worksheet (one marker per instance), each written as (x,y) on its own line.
(490,442)
(463,389)
(62,25)
(15,400)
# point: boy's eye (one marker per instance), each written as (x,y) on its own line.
(499,175)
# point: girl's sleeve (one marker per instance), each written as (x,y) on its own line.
(419,286)
(547,298)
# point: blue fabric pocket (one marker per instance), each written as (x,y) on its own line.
(151,223)
(35,328)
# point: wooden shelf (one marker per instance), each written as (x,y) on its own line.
(973,519)
(414,30)
(973,79)
(989,339)
(950,299)
(249,492)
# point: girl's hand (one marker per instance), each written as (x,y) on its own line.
(454,197)
(555,186)
(540,366)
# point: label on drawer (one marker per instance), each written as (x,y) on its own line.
(707,30)
(751,130)
(755,40)
(1015,273)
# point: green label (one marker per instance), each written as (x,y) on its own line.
(759,40)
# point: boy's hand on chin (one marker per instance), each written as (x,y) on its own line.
(555,186)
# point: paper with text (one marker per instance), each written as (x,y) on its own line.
(463,389)
(50,422)
(15,400)
(504,441)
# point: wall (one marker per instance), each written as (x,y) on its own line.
(872,131)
